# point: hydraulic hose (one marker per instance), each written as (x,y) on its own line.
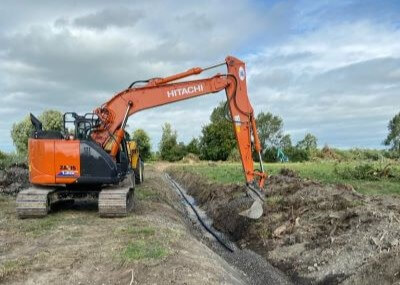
(206,227)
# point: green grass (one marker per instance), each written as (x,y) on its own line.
(145,193)
(11,267)
(274,200)
(141,249)
(28,227)
(39,227)
(136,231)
(145,231)
(323,171)
(144,243)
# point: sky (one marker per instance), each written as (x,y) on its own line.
(331,68)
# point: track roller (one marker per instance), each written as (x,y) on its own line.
(117,201)
(33,202)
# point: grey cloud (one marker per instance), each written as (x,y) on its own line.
(112,17)
(361,78)
(82,54)
(346,106)
(196,21)
(57,57)
(277,78)
(61,22)
(284,59)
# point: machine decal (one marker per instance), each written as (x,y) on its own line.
(185,91)
(242,73)
(238,123)
(68,171)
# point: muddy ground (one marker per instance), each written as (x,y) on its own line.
(317,234)
(155,244)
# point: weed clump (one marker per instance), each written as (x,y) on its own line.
(12,160)
(367,171)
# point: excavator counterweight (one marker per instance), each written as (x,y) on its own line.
(93,155)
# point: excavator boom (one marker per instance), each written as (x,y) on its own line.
(162,91)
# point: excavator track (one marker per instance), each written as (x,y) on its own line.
(117,201)
(33,202)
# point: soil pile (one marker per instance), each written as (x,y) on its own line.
(190,158)
(316,233)
(14,179)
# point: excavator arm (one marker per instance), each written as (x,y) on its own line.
(113,114)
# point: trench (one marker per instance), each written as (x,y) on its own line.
(254,268)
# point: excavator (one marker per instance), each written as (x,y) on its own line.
(93,156)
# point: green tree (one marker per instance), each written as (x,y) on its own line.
(269,129)
(308,143)
(181,150)
(218,138)
(393,138)
(20,132)
(143,141)
(170,150)
(193,146)
(285,142)
(2,155)
(52,120)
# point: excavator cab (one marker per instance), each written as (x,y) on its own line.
(71,156)
(79,127)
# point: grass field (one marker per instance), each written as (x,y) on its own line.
(326,172)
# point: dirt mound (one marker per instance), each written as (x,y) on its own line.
(328,153)
(288,172)
(14,179)
(190,158)
(317,234)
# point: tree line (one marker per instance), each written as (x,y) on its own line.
(216,142)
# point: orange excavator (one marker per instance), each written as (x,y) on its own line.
(93,155)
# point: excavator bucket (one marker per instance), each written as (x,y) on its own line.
(256,209)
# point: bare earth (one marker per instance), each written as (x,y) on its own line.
(72,245)
(315,233)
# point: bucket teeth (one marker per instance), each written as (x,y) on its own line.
(33,203)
